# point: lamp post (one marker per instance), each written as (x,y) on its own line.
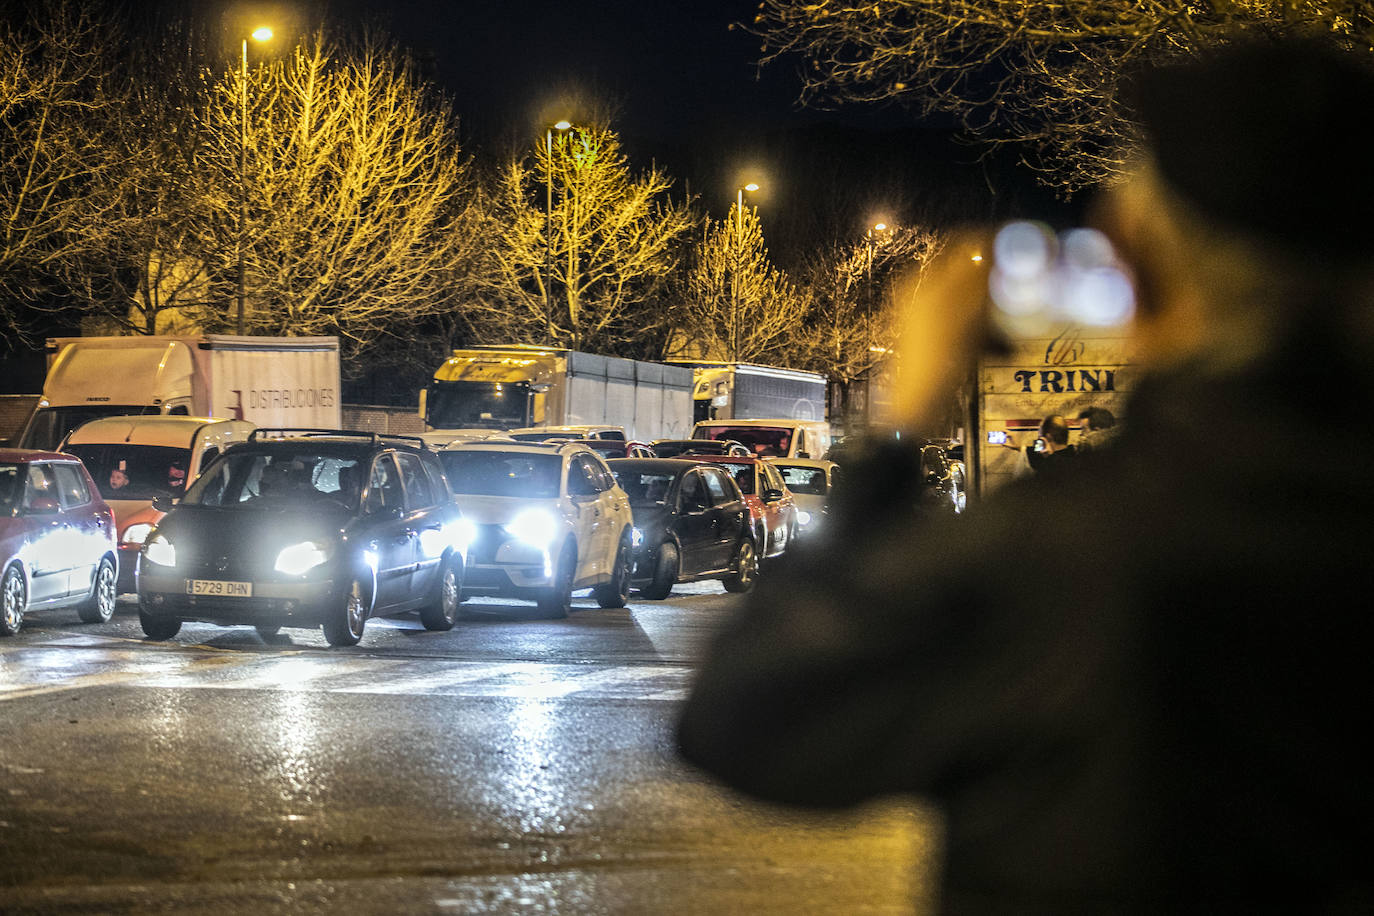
(739,256)
(548,214)
(259,34)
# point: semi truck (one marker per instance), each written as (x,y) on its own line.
(481,391)
(738,391)
(269,381)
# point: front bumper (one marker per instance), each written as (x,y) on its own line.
(167,594)
(500,564)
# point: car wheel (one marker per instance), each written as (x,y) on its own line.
(14,597)
(617,591)
(556,601)
(100,606)
(746,568)
(158,627)
(345,623)
(665,573)
(442,613)
(267,631)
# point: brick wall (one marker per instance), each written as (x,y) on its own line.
(14,413)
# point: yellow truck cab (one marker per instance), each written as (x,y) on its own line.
(135,460)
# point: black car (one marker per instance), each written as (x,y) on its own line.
(675,448)
(306,529)
(691,522)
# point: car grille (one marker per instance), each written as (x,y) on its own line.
(489,538)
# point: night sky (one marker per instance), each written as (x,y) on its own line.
(687,94)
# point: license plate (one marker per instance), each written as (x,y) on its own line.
(219,587)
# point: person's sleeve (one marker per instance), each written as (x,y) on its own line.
(856,668)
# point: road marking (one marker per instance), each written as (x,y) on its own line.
(35,672)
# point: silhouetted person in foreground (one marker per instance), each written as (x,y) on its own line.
(1141,687)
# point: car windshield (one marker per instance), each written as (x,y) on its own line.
(278,478)
(761,440)
(643,487)
(11,487)
(808,481)
(127,471)
(496,473)
(744,476)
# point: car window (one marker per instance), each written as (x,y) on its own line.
(582,477)
(693,493)
(252,479)
(809,481)
(716,486)
(772,477)
(40,485)
(744,477)
(419,492)
(72,484)
(486,472)
(131,471)
(601,474)
(644,488)
(384,486)
(11,487)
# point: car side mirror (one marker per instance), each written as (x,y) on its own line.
(803,454)
(771,495)
(164,503)
(43,505)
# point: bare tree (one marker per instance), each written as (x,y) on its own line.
(580,248)
(352,197)
(739,306)
(1042,75)
(55,88)
(852,326)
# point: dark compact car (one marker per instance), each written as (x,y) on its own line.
(57,539)
(306,529)
(691,522)
(675,448)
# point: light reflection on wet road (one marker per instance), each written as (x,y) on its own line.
(512,764)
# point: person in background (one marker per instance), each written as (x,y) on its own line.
(119,476)
(1135,688)
(1051,452)
(176,476)
(1099,429)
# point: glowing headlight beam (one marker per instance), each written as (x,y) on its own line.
(300,558)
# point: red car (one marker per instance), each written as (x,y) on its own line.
(57,539)
(771,507)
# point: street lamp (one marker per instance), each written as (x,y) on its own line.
(263,33)
(548,213)
(739,256)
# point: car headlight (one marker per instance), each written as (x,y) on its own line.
(160,551)
(636,538)
(300,558)
(464,534)
(136,534)
(803,517)
(535,527)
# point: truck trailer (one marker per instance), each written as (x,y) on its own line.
(739,391)
(269,381)
(490,389)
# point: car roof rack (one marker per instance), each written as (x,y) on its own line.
(307,432)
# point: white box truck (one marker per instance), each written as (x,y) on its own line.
(269,381)
(488,389)
(738,391)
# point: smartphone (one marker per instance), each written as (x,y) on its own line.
(1039,445)
(997,437)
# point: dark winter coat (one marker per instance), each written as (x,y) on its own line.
(1135,687)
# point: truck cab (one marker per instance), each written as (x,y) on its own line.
(137,459)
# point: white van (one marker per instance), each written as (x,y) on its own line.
(134,460)
(771,438)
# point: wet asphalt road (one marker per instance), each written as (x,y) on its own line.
(510,765)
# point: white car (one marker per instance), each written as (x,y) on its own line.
(550,519)
(812,483)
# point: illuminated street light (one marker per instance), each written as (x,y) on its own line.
(739,254)
(548,212)
(262,33)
